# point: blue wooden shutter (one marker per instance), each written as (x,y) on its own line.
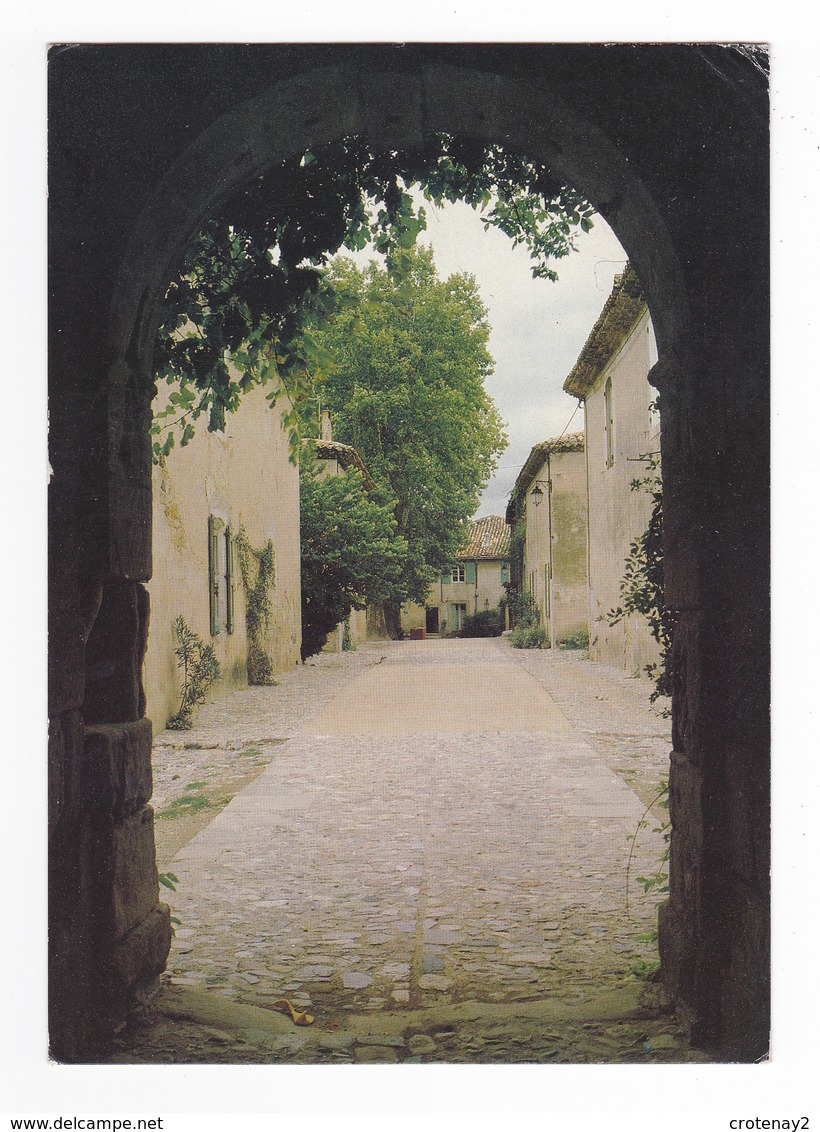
(469,573)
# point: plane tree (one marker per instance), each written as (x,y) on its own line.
(406,389)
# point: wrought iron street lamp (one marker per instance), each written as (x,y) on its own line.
(536,495)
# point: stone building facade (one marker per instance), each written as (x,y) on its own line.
(547,515)
(207,495)
(622,446)
(472,584)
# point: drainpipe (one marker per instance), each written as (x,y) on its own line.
(551,592)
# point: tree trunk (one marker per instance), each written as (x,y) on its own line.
(392,620)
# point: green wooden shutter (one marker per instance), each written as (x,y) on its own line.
(230,620)
(469,573)
(213,572)
(445,577)
(505,571)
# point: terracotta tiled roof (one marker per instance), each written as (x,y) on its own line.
(570,442)
(621,311)
(346,456)
(489,538)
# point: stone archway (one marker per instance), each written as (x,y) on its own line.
(137,188)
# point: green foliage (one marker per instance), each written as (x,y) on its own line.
(347,640)
(529,637)
(523,607)
(658,882)
(351,552)
(258,571)
(183,806)
(170,881)
(518,537)
(200,669)
(486,623)
(238,312)
(642,586)
(407,391)
(648,969)
(577,640)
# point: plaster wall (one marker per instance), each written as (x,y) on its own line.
(414,616)
(489,589)
(242,476)
(358,626)
(358,632)
(617,515)
(555,546)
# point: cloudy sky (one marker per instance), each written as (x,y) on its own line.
(538,327)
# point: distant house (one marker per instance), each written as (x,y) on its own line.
(622,431)
(547,516)
(473,583)
(335,458)
(221,489)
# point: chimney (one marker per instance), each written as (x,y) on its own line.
(327,428)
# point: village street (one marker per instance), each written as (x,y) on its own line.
(429,854)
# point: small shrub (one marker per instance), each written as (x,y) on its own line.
(487,623)
(523,609)
(577,640)
(659,881)
(200,669)
(347,640)
(529,637)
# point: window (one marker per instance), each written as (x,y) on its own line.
(221,585)
(458,611)
(457,574)
(609,424)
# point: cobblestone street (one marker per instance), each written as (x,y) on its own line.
(428,851)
